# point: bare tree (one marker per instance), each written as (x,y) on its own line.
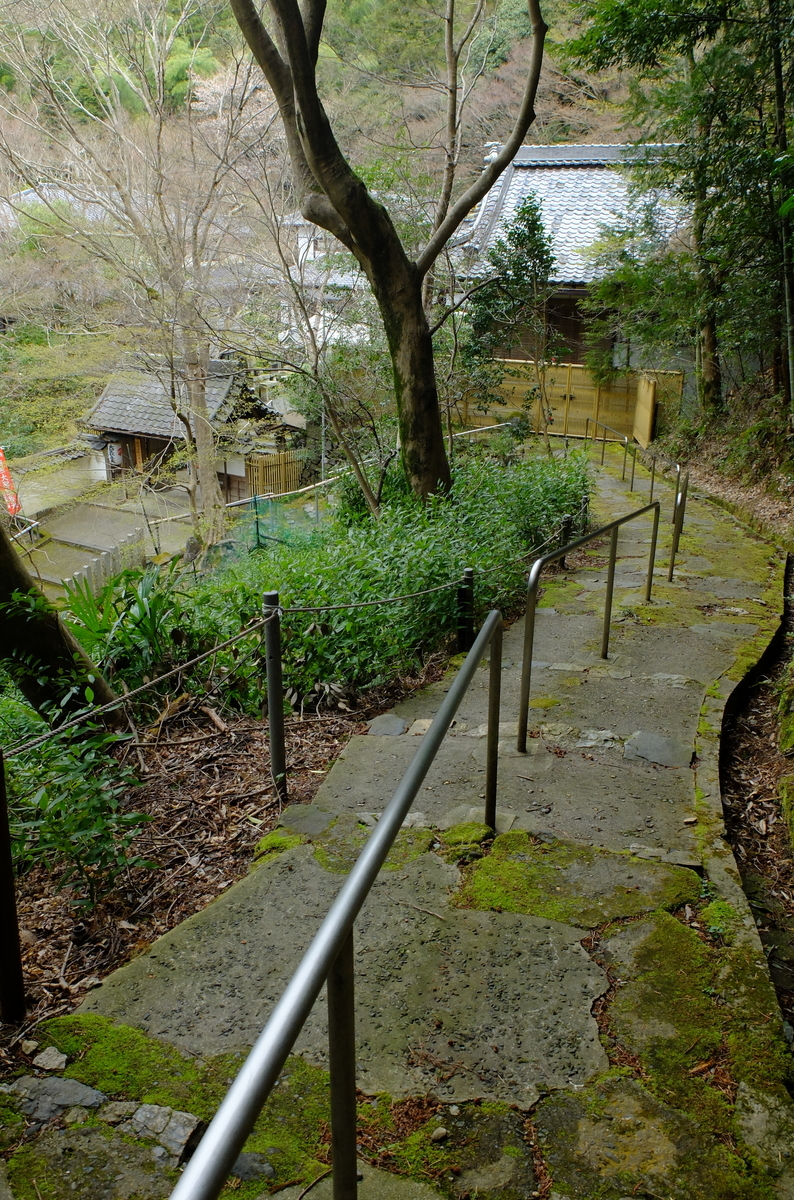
(144,181)
(333,196)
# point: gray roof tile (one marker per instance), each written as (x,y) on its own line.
(580,193)
(136,402)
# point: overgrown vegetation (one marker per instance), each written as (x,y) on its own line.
(703,266)
(143,623)
(66,797)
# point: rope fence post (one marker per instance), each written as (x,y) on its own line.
(465,631)
(12,986)
(565,534)
(275,696)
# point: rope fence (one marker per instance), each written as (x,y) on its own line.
(462,582)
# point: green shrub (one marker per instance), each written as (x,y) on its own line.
(64,801)
(142,624)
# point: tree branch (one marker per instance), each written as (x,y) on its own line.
(462,301)
(478,190)
(314,205)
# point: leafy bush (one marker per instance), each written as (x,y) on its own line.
(65,803)
(144,623)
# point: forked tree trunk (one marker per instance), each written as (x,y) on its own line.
(334,197)
(411,349)
(43,658)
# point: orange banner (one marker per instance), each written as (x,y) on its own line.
(7,487)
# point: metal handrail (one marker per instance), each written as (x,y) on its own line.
(678,523)
(532,597)
(654,455)
(31,525)
(330,957)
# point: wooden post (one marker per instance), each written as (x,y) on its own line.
(567,400)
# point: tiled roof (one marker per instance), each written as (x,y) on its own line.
(580,192)
(136,402)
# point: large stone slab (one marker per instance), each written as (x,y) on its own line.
(460,1003)
(581,885)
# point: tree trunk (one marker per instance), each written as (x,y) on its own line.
(710,371)
(213,513)
(411,349)
(43,658)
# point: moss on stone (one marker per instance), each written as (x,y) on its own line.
(275,843)
(579,885)
(543,702)
(12,1123)
(616,1139)
(337,849)
(559,593)
(467,834)
(127,1063)
(689,1003)
(786,794)
(463,843)
(292,1129)
(721,919)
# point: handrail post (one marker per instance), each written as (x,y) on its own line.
(680,510)
(603,445)
(613,553)
(633,467)
(677,490)
(625,452)
(652,555)
(526,666)
(12,984)
(342,1061)
(492,746)
(465,630)
(275,696)
(653,476)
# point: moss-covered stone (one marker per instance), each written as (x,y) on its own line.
(484,1153)
(463,843)
(786,794)
(721,919)
(292,1130)
(12,1123)
(126,1063)
(93,1162)
(559,594)
(275,843)
(689,1009)
(580,885)
(340,845)
(543,702)
(616,1139)
(467,834)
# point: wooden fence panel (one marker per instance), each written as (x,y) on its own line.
(645,411)
(273,473)
(572,396)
